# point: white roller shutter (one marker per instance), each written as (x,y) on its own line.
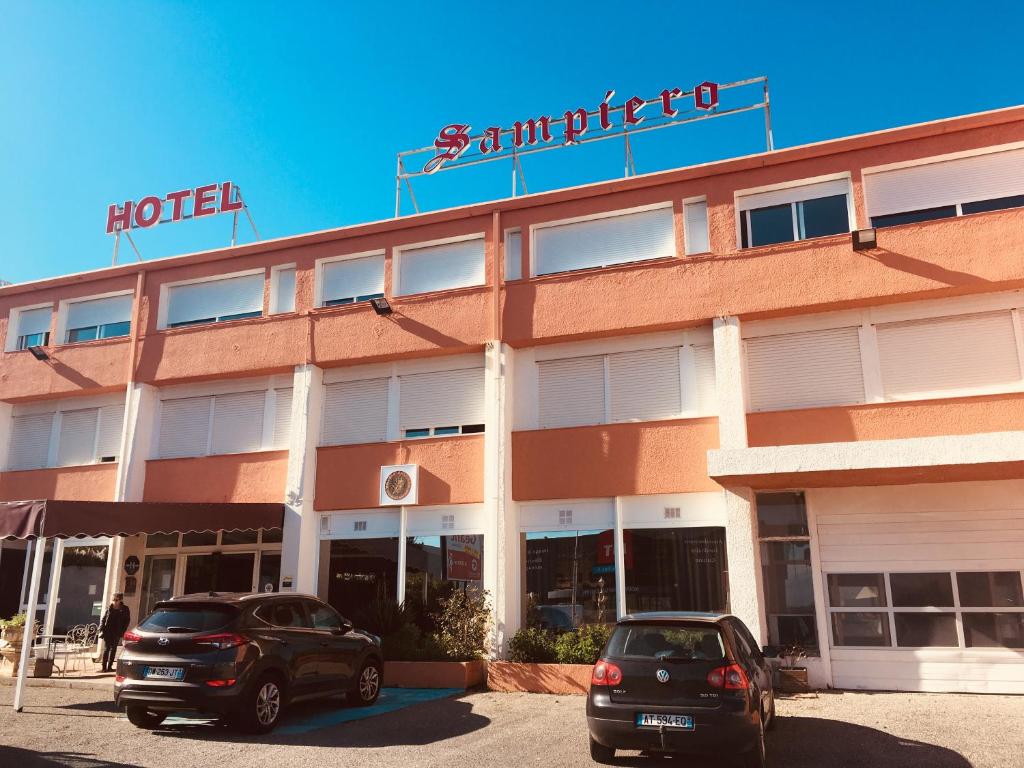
(441,399)
(77,437)
(238,422)
(284,290)
(793,194)
(704,362)
(184,427)
(571,392)
(30,441)
(441,267)
(957,352)
(33,321)
(86,314)
(945,182)
(349,278)
(695,227)
(805,370)
(645,385)
(282,417)
(108,443)
(355,412)
(513,254)
(601,242)
(215,298)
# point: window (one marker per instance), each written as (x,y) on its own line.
(441,267)
(322,616)
(230,422)
(794,213)
(30,441)
(355,412)
(282,417)
(98,319)
(443,402)
(361,575)
(653,641)
(642,385)
(84,436)
(437,566)
(513,254)
(676,569)
(214,301)
(695,227)
(786,570)
(946,187)
(286,614)
(600,242)
(32,327)
(282,290)
(926,609)
(569,578)
(352,280)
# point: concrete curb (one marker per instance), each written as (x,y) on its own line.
(35,682)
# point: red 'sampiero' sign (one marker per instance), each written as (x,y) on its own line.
(207,200)
(454,139)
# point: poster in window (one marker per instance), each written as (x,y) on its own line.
(463,557)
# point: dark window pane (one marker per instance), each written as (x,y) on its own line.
(773,224)
(856,590)
(909,217)
(239,316)
(472,429)
(649,641)
(990,589)
(996,204)
(789,593)
(238,537)
(270,572)
(916,630)
(781,514)
(113,330)
(861,629)
(363,578)
(323,617)
(446,431)
(436,566)
(570,578)
(195,619)
(744,237)
(199,539)
(339,302)
(219,572)
(286,613)
(823,216)
(682,569)
(76,335)
(154,540)
(994,630)
(921,590)
(417,433)
(272,535)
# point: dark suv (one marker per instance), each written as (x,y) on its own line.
(244,658)
(692,683)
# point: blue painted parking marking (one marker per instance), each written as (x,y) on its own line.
(332,713)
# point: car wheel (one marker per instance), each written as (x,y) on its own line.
(756,758)
(141,717)
(367,685)
(599,753)
(262,705)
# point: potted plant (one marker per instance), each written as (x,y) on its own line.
(12,636)
(546,661)
(793,678)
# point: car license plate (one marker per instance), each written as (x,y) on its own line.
(163,673)
(682,722)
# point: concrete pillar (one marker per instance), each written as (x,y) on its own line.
(299,554)
(730,386)
(501,543)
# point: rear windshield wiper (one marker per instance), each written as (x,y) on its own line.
(182,630)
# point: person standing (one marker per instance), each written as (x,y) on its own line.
(113,625)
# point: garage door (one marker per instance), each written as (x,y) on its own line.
(924,586)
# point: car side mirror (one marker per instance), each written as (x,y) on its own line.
(770,651)
(344,629)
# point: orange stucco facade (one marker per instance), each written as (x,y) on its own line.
(88,483)
(240,477)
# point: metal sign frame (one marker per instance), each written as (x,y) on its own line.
(623,131)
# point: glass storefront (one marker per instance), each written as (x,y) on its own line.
(437,565)
(569,578)
(361,574)
(82,577)
(676,569)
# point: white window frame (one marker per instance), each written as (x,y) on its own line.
(742,213)
(161,323)
(398,251)
(594,217)
(318,273)
(275,289)
(64,306)
(14,320)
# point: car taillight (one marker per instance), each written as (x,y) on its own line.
(731,678)
(221,640)
(221,683)
(131,637)
(606,673)
(118,678)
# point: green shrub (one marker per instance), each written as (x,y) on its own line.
(583,645)
(408,643)
(463,625)
(532,645)
(17,620)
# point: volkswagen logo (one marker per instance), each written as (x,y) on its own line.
(166,641)
(662,675)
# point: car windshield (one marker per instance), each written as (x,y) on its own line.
(660,641)
(188,618)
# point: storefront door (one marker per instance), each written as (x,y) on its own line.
(157,582)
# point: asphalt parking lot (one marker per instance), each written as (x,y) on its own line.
(74,727)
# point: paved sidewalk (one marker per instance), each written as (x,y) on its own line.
(77,727)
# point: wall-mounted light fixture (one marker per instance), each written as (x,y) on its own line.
(381,306)
(39,353)
(864,239)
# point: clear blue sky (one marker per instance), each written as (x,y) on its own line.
(305,104)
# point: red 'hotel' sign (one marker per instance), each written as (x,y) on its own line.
(454,139)
(207,200)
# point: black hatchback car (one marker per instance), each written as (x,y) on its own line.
(691,683)
(244,658)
